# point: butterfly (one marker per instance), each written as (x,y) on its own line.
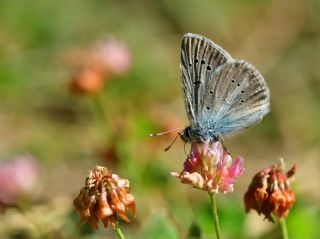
(222,95)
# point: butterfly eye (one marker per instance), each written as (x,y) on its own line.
(242,91)
(242,101)
(238,84)
(208,108)
(203,62)
(209,68)
(210,92)
(232,80)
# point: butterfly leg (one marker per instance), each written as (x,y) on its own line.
(220,139)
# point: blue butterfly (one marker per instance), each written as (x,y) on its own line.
(222,95)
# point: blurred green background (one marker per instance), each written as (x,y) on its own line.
(39,115)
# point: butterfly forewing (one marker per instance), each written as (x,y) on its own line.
(200,59)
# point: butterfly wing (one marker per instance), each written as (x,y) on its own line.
(237,97)
(200,59)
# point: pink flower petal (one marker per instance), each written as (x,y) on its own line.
(195,179)
(193,161)
(236,169)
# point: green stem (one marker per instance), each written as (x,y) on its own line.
(119,232)
(102,115)
(215,214)
(284,229)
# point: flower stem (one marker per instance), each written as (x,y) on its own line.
(215,214)
(119,232)
(284,229)
(102,116)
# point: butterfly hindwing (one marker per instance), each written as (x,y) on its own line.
(236,98)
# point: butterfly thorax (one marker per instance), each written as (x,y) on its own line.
(199,135)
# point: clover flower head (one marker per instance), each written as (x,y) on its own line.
(270,193)
(18,178)
(104,197)
(94,69)
(210,169)
(115,55)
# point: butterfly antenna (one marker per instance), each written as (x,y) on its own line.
(166,132)
(175,139)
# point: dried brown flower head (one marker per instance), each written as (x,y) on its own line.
(269,192)
(104,197)
(88,80)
